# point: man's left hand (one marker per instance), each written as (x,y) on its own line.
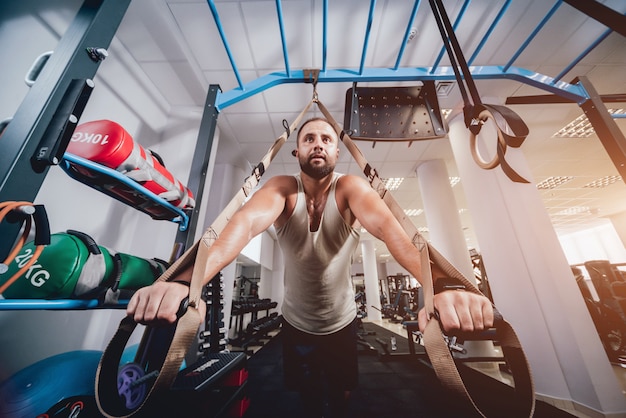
(460,310)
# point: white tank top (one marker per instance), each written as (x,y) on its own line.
(319,295)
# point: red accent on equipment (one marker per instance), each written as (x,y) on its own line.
(109,144)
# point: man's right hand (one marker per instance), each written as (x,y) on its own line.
(158,304)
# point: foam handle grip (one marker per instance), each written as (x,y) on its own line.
(89,242)
(42,230)
(182,309)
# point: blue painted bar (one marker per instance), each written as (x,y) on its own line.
(324,34)
(407,33)
(220,28)
(370,19)
(279,12)
(182,219)
(583,55)
(57,305)
(573,92)
(533,34)
(454,26)
(495,22)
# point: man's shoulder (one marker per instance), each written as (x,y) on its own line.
(351,183)
(282,182)
(281,178)
(350,179)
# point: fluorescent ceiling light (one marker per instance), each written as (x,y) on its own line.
(393,183)
(553,182)
(413,212)
(603,182)
(574,210)
(581,127)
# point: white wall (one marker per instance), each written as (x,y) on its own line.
(72,205)
(599,243)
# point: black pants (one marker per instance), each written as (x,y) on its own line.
(321,367)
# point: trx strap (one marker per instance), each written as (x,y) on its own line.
(512,131)
(24,212)
(107,399)
(436,347)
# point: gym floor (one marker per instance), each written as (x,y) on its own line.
(391,388)
(494,372)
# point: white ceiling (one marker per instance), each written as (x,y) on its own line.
(175,47)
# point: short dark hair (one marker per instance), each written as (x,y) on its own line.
(313,119)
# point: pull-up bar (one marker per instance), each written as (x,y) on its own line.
(554,85)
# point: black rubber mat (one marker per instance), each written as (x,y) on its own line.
(388,387)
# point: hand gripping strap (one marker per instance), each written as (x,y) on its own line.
(107,398)
(436,347)
(108,401)
(439,353)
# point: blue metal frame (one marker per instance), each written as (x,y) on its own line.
(324,34)
(181,217)
(220,28)
(368,29)
(573,92)
(56,305)
(407,33)
(279,12)
(483,41)
(534,33)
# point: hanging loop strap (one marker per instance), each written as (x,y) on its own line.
(436,347)
(512,131)
(107,398)
(26,213)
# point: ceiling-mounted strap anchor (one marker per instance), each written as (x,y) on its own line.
(312,76)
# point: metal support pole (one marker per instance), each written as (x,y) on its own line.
(605,126)
(94,26)
(603,14)
(199,166)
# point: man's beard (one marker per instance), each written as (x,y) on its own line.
(316,172)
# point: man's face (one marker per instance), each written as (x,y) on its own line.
(318,149)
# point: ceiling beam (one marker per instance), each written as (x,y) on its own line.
(553,99)
(601,13)
(608,132)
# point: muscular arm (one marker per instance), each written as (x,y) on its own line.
(458,310)
(375,216)
(158,304)
(258,214)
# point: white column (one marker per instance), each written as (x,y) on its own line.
(442,215)
(532,283)
(370,274)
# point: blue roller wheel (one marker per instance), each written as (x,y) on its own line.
(133,394)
